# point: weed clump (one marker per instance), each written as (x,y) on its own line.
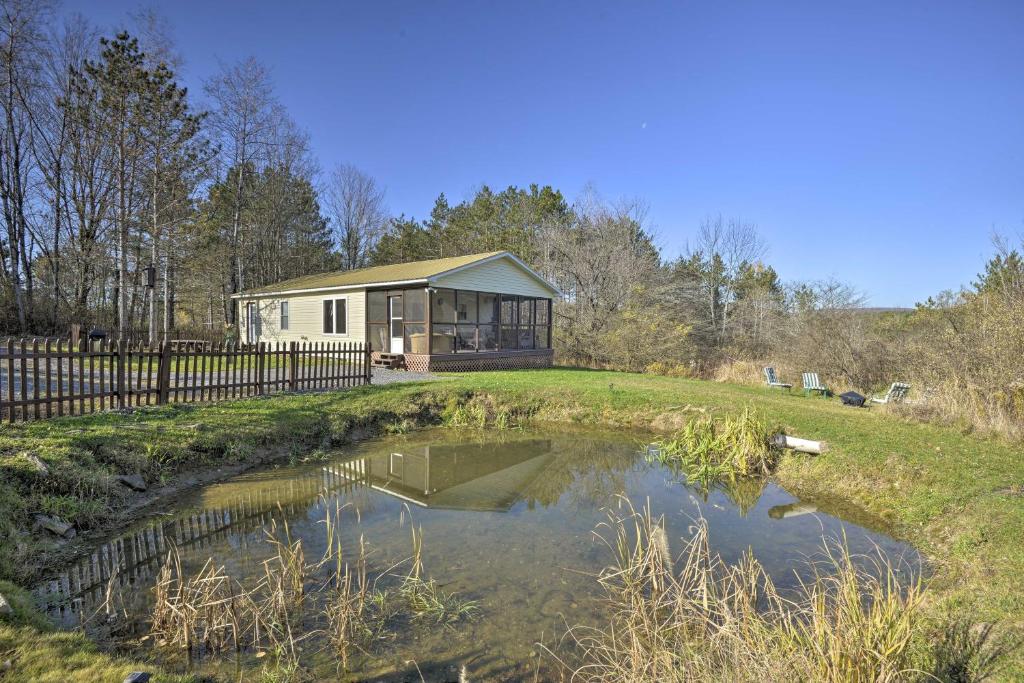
(711,449)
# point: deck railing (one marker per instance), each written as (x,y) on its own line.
(42,378)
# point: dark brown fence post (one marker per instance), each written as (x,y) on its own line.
(368,371)
(260,349)
(163,380)
(11,377)
(293,363)
(120,374)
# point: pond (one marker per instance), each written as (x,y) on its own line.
(507,522)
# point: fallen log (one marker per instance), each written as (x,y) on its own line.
(800,445)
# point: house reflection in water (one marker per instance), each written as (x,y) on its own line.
(466,476)
(470,476)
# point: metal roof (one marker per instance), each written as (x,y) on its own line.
(395,274)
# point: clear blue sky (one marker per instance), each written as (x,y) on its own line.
(881,143)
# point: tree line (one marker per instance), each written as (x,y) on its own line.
(133,205)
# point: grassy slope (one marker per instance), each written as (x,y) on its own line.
(936,487)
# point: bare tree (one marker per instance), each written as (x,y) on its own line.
(724,248)
(244,117)
(356,205)
(601,261)
(22,46)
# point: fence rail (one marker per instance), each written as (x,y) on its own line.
(42,378)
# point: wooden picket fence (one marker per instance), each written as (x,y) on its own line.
(42,378)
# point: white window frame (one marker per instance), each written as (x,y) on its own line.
(285,314)
(334,315)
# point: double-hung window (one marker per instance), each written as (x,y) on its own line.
(284,315)
(335,316)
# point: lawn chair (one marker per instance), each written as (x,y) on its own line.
(897,392)
(812,384)
(772,380)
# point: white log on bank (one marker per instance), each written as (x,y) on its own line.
(800,445)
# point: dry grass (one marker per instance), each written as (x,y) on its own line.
(739,372)
(697,619)
(971,409)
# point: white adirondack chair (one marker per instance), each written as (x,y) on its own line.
(772,380)
(813,384)
(897,392)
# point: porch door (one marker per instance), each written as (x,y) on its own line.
(252,318)
(395,316)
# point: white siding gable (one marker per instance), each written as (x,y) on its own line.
(502,276)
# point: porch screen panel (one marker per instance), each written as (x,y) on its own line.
(542,318)
(488,312)
(468,339)
(415,305)
(377,333)
(377,307)
(443,339)
(377,320)
(488,337)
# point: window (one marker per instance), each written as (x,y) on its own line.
(284,315)
(335,316)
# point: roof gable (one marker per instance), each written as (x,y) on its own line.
(399,274)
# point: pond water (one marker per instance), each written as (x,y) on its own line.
(507,521)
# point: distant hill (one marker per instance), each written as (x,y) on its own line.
(883,309)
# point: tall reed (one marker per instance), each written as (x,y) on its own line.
(695,618)
(295,598)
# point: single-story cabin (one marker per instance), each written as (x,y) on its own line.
(477,312)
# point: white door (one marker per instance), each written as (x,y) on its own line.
(395,314)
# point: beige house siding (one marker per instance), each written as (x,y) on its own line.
(501,276)
(305,317)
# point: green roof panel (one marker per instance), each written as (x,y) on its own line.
(399,272)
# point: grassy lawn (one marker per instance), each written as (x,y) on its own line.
(954,495)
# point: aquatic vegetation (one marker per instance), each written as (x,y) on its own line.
(424,597)
(710,448)
(209,612)
(696,618)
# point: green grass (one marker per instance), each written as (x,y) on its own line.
(953,494)
(37,652)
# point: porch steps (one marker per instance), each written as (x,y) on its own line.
(388,360)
